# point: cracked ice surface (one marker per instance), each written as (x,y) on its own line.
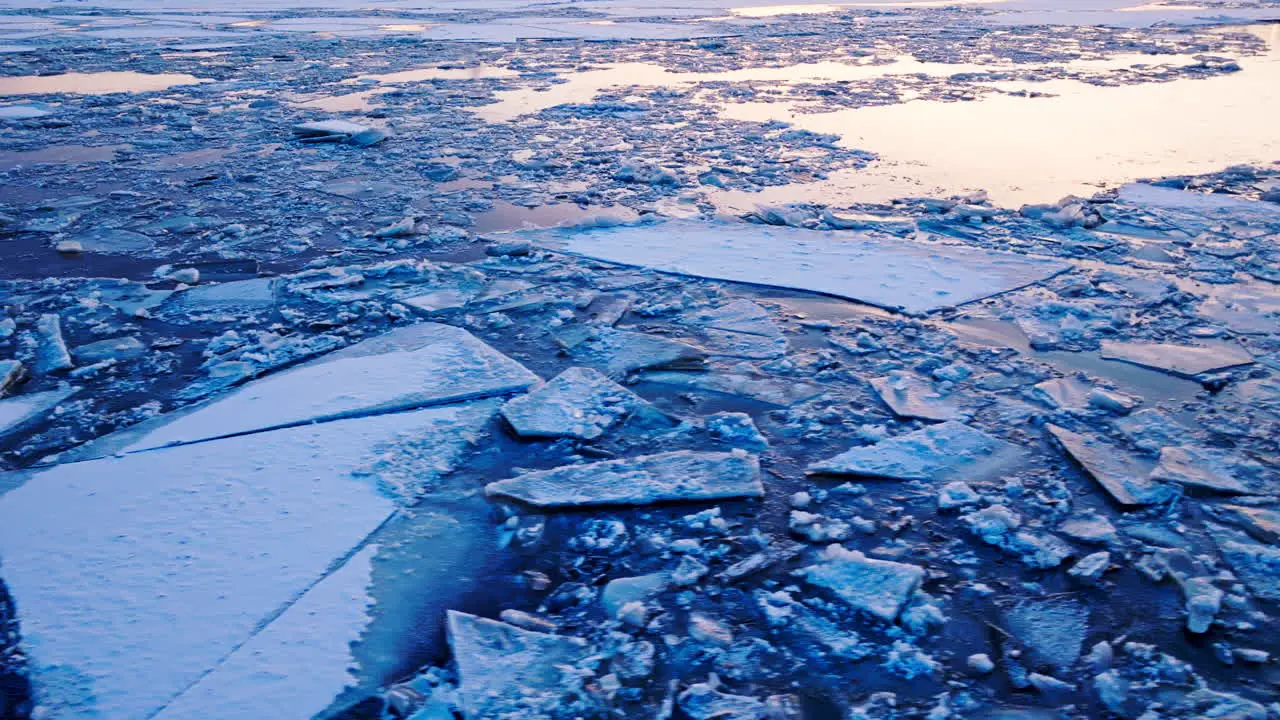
(888,273)
(188,550)
(427,364)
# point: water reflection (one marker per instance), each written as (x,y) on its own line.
(100,83)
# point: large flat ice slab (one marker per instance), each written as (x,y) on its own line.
(577,403)
(1116,471)
(890,273)
(948,451)
(137,575)
(680,475)
(420,365)
(1182,360)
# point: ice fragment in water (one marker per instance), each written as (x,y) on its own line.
(887,272)
(680,475)
(911,397)
(938,452)
(1198,467)
(11,372)
(339,131)
(18,413)
(505,671)
(780,392)
(1118,473)
(621,352)
(879,587)
(1182,360)
(578,403)
(51,348)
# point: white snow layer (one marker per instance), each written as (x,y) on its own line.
(887,272)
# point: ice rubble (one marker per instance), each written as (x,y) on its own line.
(679,475)
(888,273)
(190,550)
(938,453)
(911,397)
(419,365)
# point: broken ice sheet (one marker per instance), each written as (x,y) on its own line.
(426,364)
(676,476)
(910,397)
(1257,565)
(879,587)
(175,557)
(942,452)
(508,672)
(1182,360)
(887,272)
(740,329)
(235,298)
(300,661)
(1198,467)
(579,403)
(339,131)
(1115,470)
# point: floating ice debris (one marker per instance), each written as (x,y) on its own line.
(937,453)
(702,701)
(1257,565)
(1063,393)
(188,551)
(239,296)
(1182,360)
(740,329)
(427,364)
(115,242)
(879,587)
(579,403)
(300,661)
(17,413)
(1199,467)
(121,348)
(621,351)
(51,348)
(131,298)
(10,373)
(737,430)
(682,475)
(910,397)
(339,131)
(1260,522)
(1053,631)
(891,273)
(775,391)
(1118,473)
(1203,603)
(23,112)
(999,526)
(1090,567)
(504,671)
(620,592)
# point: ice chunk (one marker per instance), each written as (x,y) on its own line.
(174,558)
(339,131)
(879,587)
(18,413)
(910,397)
(622,351)
(298,663)
(1053,630)
(578,403)
(740,329)
(507,672)
(938,452)
(239,296)
(1115,470)
(1261,523)
(1182,360)
(780,392)
(620,592)
(121,348)
(887,272)
(415,366)
(51,348)
(702,701)
(1257,565)
(1199,467)
(680,475)
(11,372)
